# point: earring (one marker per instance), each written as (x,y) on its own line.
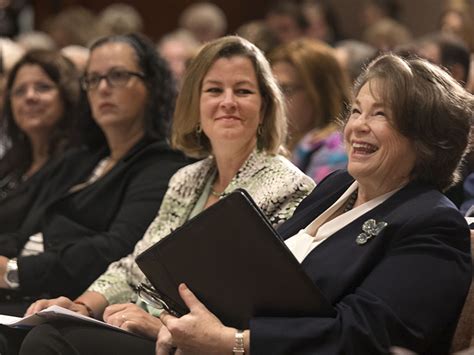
(198,129)
(259,130)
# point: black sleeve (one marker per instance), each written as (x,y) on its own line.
(70,268)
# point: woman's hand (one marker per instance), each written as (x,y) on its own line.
(132,318)
(60,301)
(198,332)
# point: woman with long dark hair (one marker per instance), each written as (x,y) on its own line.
(38,124)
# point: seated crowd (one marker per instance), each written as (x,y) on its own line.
(360,169)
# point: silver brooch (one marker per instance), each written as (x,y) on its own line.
(370,229)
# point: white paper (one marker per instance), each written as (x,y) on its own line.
(50,313)
(469,220)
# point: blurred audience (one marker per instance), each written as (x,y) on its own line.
(317,92)
(73,25)
(322,21)
(10,53)
(178,48)
(258,33)
(456,19)
(39,124)
(11,13)
(79,55)
(35,40)
(448,51)
(120,18)
(205,20)
(286,20)
(383,29)
(353,56)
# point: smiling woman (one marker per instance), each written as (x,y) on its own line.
(39,122)
(230,112)
(376,239)
(101,196)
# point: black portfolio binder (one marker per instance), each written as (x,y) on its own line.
(235,263)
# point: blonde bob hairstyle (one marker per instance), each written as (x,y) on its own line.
(185,133)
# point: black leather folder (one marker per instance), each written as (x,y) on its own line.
(235,263)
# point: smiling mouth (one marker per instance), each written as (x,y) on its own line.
(364,148)
(229,118)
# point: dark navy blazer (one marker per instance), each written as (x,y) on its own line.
(404,287)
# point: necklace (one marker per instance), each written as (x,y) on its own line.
(351,201)
(215,193)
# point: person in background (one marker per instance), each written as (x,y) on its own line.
(322,21)
(353,56)
(383,28)
(178,48)
(231,112)
(39,121)
(452,54)
(35,40)
(317,92)
(74,24)
(456,19)
(119,19)
(205,20)
(448,51)
(258,33)
(79,55)
(107,193)
(379,240)
(287,21)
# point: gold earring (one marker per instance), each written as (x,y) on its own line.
(198,129)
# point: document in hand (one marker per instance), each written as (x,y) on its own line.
(51,313)
(236,264)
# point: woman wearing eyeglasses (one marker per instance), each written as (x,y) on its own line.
(317,92)
(37,122)
(231,112)
(111,190)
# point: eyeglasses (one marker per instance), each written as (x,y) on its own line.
(114,78)
(38,88)
(152,298)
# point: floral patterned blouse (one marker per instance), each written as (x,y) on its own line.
(275,184)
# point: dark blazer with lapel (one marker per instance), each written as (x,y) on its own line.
(15,205)
(404,287)
(85,231)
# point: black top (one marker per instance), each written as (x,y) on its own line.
(404,287)
(17,196)
(84,231)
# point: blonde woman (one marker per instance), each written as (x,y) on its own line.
(231,111)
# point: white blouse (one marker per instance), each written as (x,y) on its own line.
(302,243)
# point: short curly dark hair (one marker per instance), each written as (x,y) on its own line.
(159,82)
(431,109)
(63,73)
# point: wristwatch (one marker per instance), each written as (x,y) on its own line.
(239,343)
(11,274)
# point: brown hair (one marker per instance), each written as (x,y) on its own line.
(324,80)
(63,73)
(431,109)
(186,116)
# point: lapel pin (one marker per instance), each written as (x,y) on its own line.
(370,229)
